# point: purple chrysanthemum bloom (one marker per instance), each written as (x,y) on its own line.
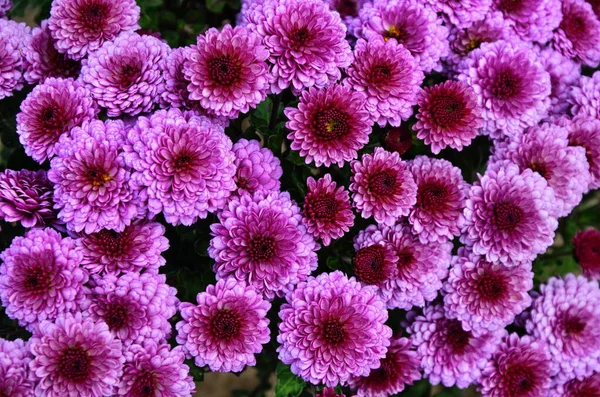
(375,261)
(327,213)
(75,356)
(330,125)
(81,27)
(412,24)
(153,369)
(512,87)
(183,164)
(42,60)
(486,296)
(15,37)
(520,367)
(450,355)
(588,387)
(329,392)
(40,277)
(398,139)
(382,186)
(578,35)
(566,319)
(5,6)
(261,239)
(441,199)
(92,183)
(448,116)
(124,75)
(399,368)
(545,149)
(51,110)
(510,215)
(332,328)
(256,168)
(564,74)
(389,77)
(227,72)
(137,248)
(26,197)
(175,93)
(227,327)
(134,306)
(348,10)
(585,96)
(585,132)
(15,379)
(586,244)
(530,20)
(461,14)
(306,41)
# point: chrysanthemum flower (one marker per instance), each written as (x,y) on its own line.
(510,215)
(486,296)
(307,43)
(382,186)
(51,110)
(461,14)
(26,197)
(175,93)
(578,35)
(261,239)
(389,77)
(81,27)
(5,6)
(227,327)
(413,24)
(182,163)
(450,355)
(398,139)
(564,75)
(332,329)
(584,131)
(134,306)
(75,356)
(375,260)
(566,318)
(448,116)
(15,37)
(520,367)
(531,20)
(256,168)
(399,368)
(589,387)
(545,149)
(329,392)
(40,277)
(330,125)
(585,96)
(327,213)
(153,369)
(441,199)
(137,248)
(227,72)
(587,252)
(91,181)
(15,379)
(512,87)
(124,75)
(348,10)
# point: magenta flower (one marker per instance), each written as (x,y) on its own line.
(326,212)
(586,243)
(578,35)
(51,110)
(398,139)
(175,93)
(75,355)
(375,261)
(585,132)
(329,126)
(382,186)
(15,37)
(585,96)
(448,116)
(578,387)
(40,277)
(332,329)
(261,239)
(15,379)
(227,327)
(461,14)
(329,392)
(530,20)
(256,168)
(564,75)
(80,27)
(227,72)
(389,77)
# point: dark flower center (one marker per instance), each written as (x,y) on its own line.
(97,176)
(383,183)
(300,36)
(405,259)
(447,110)
(74,364)
(225,324)
(473,44)
(323,207)
(574,26)
(369,265)
(37,279)
(574,325)
(512,6)
(128,75)
(396,32)
(347,8)
(110,241)
(398,139)
(491,287)
(432,196)
(116,316)
(93,15)
(387,371)
(506,85)
(182,161)
(145,385)
(380,74)
(519,380)
(261,248)
(507,216)
(333,332)
(541,168)
(223,71)
(331,124)
(52,118)
(457,338)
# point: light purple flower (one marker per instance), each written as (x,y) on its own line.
(588,386)
(585,96)
(578,35)
(461,14)
(175,93)
(585,132)
(530,20)
(564,75)
(256,168)
(15,37)
(5,6)
(14,369)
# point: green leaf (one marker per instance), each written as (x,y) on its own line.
(288,384)
(333,262)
